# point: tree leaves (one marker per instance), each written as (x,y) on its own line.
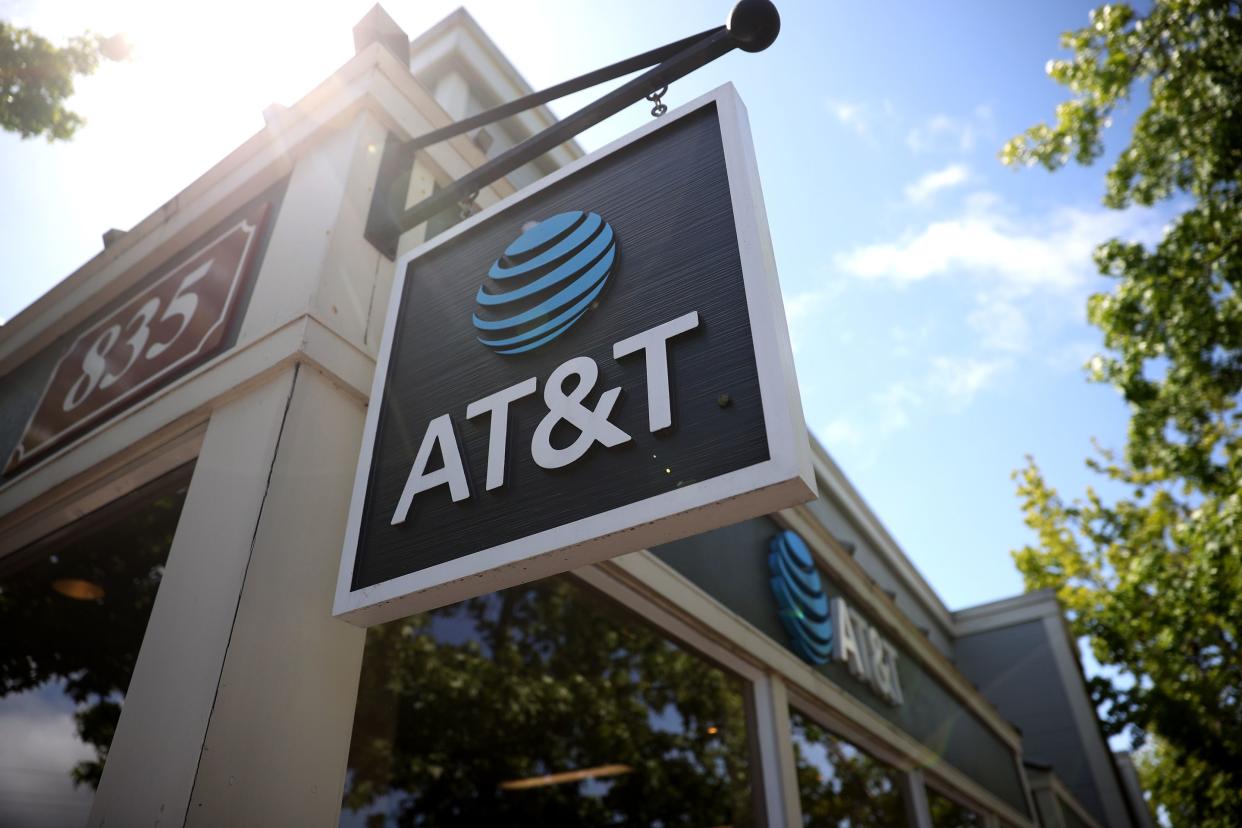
(1154,579)
(36,78)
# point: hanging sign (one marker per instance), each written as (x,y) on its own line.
(177,321)
(597,364)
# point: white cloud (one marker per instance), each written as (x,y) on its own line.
(1072,356)
(982,201)
(857,116)
(803,310)
(1027,274)
(850,114)
(890,408)
(959,380)
(883,413)
(911,340)
(933,182)
(943,133)
(802,305)
(948,384)
(1053,252)
(1001,325)
(840,432)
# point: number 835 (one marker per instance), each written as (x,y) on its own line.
(95,371)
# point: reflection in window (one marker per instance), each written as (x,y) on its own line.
(543,705)
(72,616)
(947,813)
(1070,817)
(839,785)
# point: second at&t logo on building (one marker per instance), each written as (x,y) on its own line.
(800,597)
(822,630)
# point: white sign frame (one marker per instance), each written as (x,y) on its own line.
(785,479)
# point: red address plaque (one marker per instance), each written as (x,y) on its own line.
(175,323)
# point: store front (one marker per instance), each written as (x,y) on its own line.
(177,491)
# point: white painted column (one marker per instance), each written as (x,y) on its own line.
(241,703)
(276,746)
(155,752)
(242,700)
(317,260)
(776,754)
(452,92)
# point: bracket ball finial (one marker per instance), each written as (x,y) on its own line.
(754,24)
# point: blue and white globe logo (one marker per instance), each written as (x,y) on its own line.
(800,597)
(545,281)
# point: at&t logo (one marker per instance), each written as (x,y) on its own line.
(545,281)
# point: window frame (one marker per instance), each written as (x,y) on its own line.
(763,694)
(761,690)
(963,800)
(668,600)
(902,777)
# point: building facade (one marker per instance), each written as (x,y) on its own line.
(181,419)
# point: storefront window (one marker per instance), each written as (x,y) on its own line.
(839,785)
(948,813)
(73,611)
(543,705)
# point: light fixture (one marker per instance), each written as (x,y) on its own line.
(711,731)
(567,776)
(78,589)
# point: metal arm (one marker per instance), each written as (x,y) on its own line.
(752,26)
(552,93)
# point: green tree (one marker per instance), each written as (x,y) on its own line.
(36,78)
(1153,576)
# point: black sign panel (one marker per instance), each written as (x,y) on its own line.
(601,328)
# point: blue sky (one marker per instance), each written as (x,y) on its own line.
(936,298)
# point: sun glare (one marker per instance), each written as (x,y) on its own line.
(194,88)
(201,71)
(196,84)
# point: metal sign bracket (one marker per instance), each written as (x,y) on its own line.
(752,26)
